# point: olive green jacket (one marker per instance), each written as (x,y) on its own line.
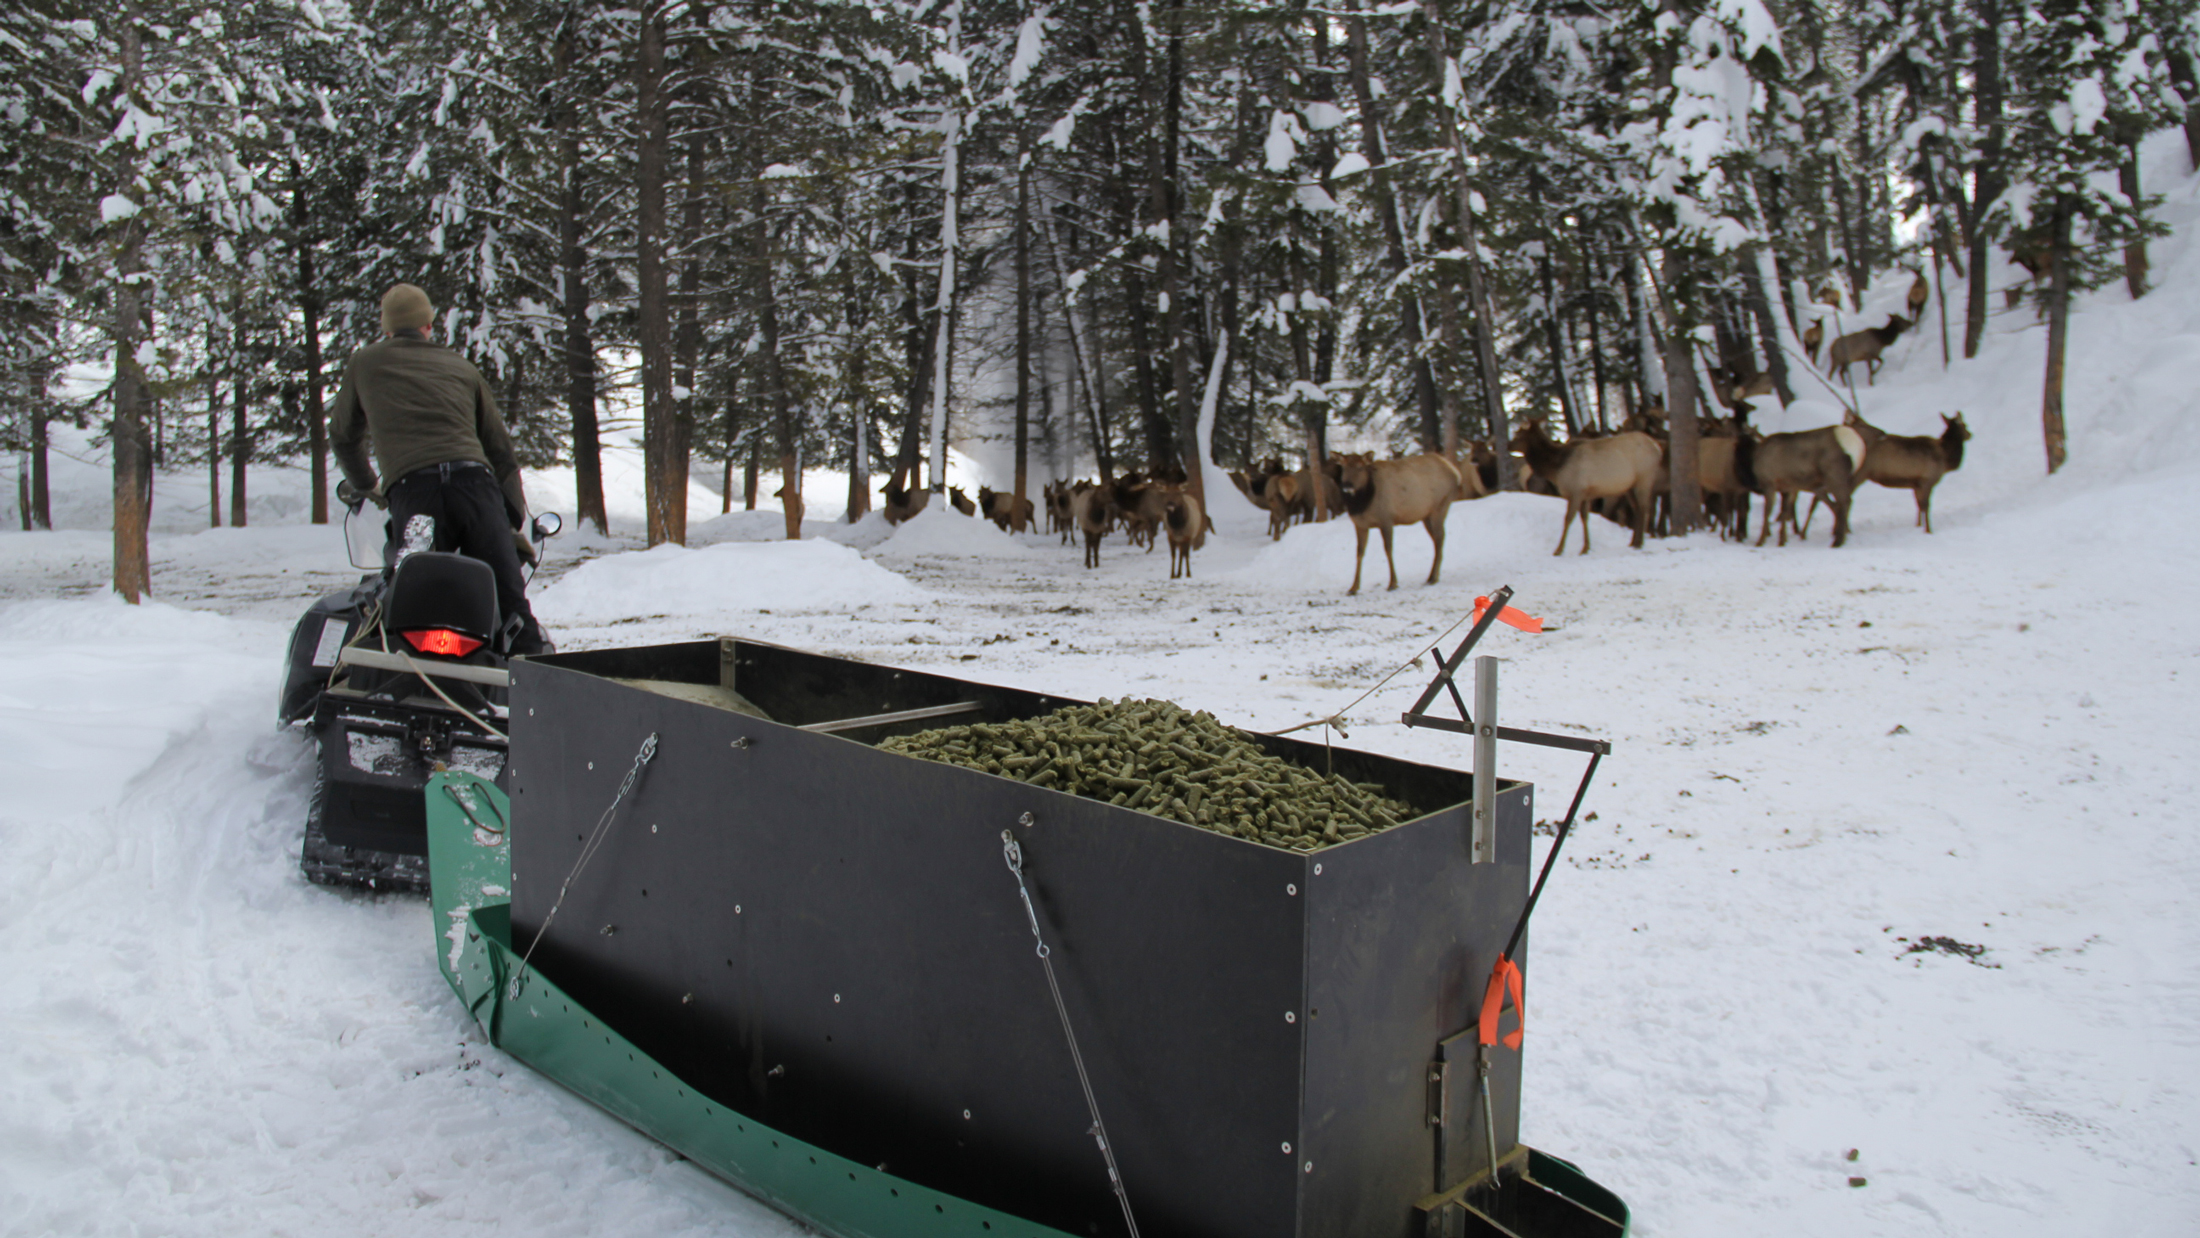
(422,404)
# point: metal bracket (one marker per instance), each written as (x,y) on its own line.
(1439,1107)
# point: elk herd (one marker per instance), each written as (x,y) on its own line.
(1623,476)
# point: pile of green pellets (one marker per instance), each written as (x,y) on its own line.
(1158,758)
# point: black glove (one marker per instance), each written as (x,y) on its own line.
(352,496)
(526,548)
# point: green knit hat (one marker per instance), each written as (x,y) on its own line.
(405,308)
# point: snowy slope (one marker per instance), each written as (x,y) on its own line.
(1821,758)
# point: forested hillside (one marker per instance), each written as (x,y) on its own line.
(796,233)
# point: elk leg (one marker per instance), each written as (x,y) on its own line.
(1435,526)
(1925,505)
(1359,553)
(1643,503)
(1564,527)
(1386,556)
(1764,526)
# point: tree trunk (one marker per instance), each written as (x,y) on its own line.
(1173,286)
(1593,282)
(777,397)
(1508,473)
(41,509)
(1433,433)
(213,436)
(1987,174)
(580,342)
(309,311)
(859,401)
(950,240)
(687,338)
(1554,338)
(1680,380)
(2058,338)
(2181,75)
(133,474)
(1023,324)
(1090,383)
(240,433)
(2135,254)
(751,470)
(1778,343)
(663,491)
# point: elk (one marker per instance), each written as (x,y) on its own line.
(1916,462)
(1589,469)
(1006,511)
(1919,290)
(1814,337)
(1865,346)
(1780,466)
(1137,504)
(1186,526)
(1091,510)
(1384,494)
(1057,501)
(902,504)
(961,501)
(1722,486)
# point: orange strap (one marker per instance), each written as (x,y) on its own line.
(1525,622)
(1503,977)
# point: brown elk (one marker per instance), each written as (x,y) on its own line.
(1006,511)
(1721,484)
(961,501)
(1137,503)
(1919,291)
(902,504)
(1814,337)
(1384,494)
(1589,469)
(1186,525)
(1092,511)
(1865,346)
(1057,501)
(1916,462)
(1781,466)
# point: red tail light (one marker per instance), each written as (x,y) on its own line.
(442,641)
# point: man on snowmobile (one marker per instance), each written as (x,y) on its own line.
(442,447)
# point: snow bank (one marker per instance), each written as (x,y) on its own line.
(941,530)
(728,578)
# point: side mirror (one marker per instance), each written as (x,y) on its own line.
(547,525)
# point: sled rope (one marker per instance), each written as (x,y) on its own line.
(468,809)
(588,851)
(1015,857)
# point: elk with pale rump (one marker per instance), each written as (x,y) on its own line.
(1781,466)
(1185,522)
(902,504)
(1384,494)
(1585,470)
(1865,346)
(1006,511)
(1092,512)
(1916,462)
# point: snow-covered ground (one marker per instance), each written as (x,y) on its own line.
(1821,759)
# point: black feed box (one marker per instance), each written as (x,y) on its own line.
(826,937)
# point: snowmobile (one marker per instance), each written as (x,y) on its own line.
(395,679)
